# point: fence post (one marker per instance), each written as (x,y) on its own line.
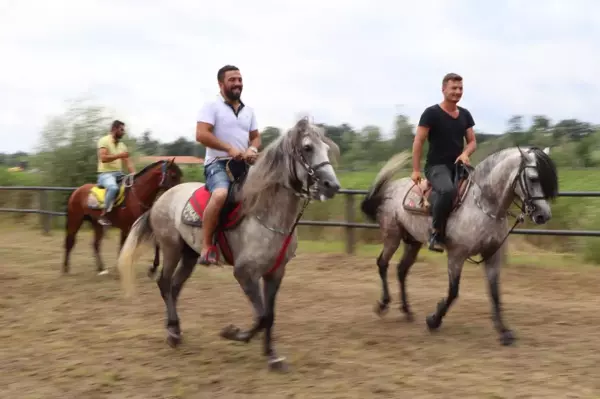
(44,218)
(350,239)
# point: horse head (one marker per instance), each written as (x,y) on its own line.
(310,169)
(536,183)
(528,174)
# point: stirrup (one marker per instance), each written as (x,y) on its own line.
(211,257)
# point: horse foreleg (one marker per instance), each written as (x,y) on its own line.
(411,250)
(270,289)
(251,287)
(391,242)
(455,264)
(492,271)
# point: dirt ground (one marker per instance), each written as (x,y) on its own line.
(77,337)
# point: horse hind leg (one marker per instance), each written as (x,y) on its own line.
(411,250)
(72,226)
(98,235)
(152,269)
(171,256)
(391,242)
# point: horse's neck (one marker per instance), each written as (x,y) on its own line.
(497,187)
(282,209)
(146,188)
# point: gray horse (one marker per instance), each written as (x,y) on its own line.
(477,225)
(295,168)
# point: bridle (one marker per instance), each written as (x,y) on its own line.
(162,185)
(312,180)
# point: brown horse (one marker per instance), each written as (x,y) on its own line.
(136,195)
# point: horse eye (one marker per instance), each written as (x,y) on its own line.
(307,147)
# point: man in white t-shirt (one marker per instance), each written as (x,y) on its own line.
(228,129)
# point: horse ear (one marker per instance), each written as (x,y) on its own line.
(547,150)
(172,161)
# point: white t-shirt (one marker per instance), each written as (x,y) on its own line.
(228,127)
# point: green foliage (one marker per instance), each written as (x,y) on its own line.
(67,157)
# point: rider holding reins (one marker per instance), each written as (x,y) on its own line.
(228,129)
(445,126)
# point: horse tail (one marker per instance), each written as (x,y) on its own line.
(374,198)
(140,233)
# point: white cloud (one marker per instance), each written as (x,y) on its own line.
(352,61)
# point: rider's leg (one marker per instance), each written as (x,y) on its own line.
(109,182)
(217,182)
(440,177)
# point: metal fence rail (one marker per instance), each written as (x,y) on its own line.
(349,223)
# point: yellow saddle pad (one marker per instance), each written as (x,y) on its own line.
(98,195)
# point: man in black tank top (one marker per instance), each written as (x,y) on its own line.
(445,126)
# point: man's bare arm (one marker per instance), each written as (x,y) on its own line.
(471,142)
(420,137)
(255,139)
(205,136)
(105,157)
(130,165)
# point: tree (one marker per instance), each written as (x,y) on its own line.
(268,135)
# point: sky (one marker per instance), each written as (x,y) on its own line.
(154,63)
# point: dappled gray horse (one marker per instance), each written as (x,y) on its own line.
(258,241)
(478,223)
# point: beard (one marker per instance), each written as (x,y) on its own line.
(234,93)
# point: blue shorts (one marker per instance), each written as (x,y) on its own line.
(216,176)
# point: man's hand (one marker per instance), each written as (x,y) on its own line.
(416,176)
(250,156)
(124,155)
(234,153)
(464,158)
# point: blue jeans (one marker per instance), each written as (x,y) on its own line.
(216,176)
(108,180)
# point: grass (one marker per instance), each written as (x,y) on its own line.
(568,213)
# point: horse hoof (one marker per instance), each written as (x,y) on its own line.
(507,338)
(103,272)
(433,323)
(410,316)
(151,272)
(278,364)
(380,308)
(230,332)
(173,339)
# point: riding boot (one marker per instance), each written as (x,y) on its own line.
(436,241)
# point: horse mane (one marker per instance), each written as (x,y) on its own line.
(275,166)
(151,166)
(546,172)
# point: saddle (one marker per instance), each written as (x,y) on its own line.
(228,217)
(97,196)
(420,197)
